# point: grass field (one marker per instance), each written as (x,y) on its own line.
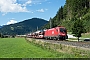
(86,35)
(19,48)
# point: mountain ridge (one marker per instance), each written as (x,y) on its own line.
(23,27)
(0,26)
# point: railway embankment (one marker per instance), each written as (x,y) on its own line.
(62,46)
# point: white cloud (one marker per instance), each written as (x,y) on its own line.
(27,2)
(14,6)
(49,2)
(40,3)
(11,6)
(41,10)
(46,9)
(11,22)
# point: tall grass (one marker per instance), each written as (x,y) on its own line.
(86,35)
(63,51)
(21,48)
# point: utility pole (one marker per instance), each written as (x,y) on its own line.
(37,28)
(50,22)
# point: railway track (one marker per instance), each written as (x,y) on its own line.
(76,44)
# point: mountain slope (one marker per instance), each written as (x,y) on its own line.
(0,26)
(23,27)
(70,12)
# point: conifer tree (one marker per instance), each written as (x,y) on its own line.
(78,28)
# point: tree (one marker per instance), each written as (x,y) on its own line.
(64,12)
(77,8)
(78,28)
(60,14)
(54,22)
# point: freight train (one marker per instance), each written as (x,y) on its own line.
(57,33)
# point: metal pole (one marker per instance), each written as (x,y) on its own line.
(37,28)
(50,23)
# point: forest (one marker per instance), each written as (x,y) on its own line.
(69,13)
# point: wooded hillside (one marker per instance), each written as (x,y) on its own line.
(70,12)
(23,27)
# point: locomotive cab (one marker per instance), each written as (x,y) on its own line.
(62,33)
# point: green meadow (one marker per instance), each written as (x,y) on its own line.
(19,48)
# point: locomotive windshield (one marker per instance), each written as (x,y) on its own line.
(63,30)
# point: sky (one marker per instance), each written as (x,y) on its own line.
(13,11)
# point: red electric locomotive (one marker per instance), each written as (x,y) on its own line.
(56,33)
